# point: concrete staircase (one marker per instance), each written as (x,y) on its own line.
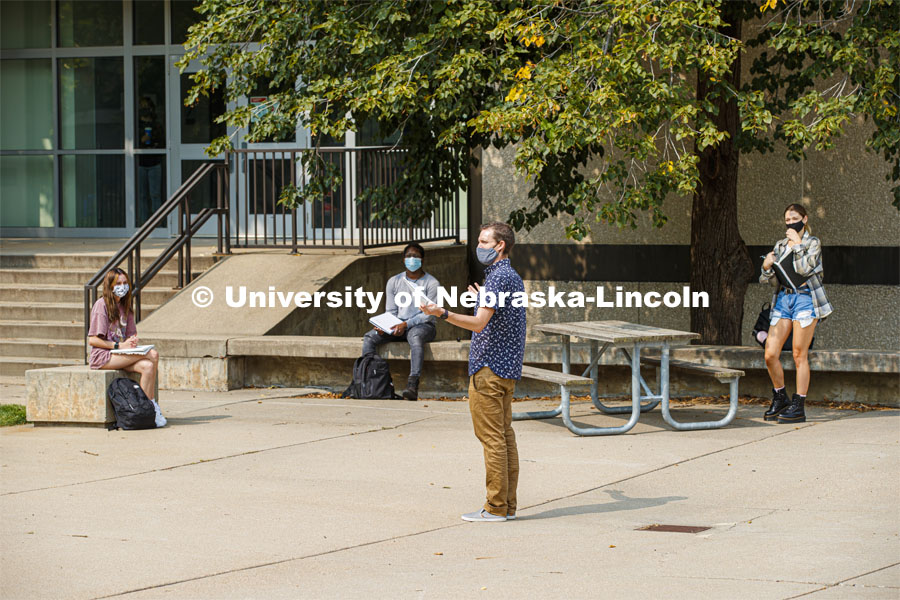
(42,310)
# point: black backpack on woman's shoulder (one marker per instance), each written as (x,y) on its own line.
(133,408)
(371,380)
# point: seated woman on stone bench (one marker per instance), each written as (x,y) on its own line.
(112,327)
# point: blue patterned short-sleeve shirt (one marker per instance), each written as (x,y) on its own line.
(501,344)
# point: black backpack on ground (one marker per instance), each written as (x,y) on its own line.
(371,379)
(762,324)
(133,408)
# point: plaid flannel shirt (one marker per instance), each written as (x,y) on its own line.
(807,261)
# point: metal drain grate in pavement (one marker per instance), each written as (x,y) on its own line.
(673,528)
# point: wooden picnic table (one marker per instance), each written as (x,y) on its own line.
(624,337)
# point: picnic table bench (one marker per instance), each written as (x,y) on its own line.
(624,336)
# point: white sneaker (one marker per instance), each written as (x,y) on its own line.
(482,516)
(160,419)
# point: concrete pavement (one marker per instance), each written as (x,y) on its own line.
(256,493)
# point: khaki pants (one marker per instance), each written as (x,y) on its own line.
(490,402)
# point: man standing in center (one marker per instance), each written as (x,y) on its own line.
(495,363)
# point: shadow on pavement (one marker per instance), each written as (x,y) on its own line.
(620,502)
(199,419)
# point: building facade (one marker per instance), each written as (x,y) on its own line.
(94,133)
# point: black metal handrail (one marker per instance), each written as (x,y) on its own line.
(181,244)
(338,219)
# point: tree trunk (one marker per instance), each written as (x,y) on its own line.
(720,261)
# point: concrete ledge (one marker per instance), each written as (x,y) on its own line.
(735,357)
(175,345)
(214,374)
(192,362)
(70,395)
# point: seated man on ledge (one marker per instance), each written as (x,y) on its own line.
(417,328)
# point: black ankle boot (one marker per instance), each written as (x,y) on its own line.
(412,389)
(779,404)
(795,412)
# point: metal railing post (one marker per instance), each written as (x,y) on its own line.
(187,242)
(219,210)
(137,282)
(228,203)
(180,248)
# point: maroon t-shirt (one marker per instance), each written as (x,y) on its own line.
(110,330)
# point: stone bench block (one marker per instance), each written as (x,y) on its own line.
(71,395)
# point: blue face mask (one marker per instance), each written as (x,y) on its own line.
(413,263)
(486,256)
(120,290)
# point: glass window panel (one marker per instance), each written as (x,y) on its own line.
(268,175)
(25,24)
(91,103)
(151,185)
(370,134)
(329,211)
(150,95)
(93,190)
(26,104)
(183,16)
(204,194)
(82,23)
(197,121)
(149,22)
(26,191)
(261,102)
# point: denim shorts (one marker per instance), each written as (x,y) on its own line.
(796,307)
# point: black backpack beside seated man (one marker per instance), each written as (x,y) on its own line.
(371,378)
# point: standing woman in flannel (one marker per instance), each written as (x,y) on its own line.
(794,311)
(112,327)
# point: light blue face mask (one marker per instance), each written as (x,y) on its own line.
(486,256)
(120,290)
(413,263)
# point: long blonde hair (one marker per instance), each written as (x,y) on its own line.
(110,299)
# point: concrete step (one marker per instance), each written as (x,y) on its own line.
(163,279)
(13,292)
(16,367)
(90,261)
(44,330)
(53,311)
(41,348)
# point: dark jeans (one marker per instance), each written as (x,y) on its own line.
(417,336)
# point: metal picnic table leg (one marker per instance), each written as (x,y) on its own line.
(635,401)
(667,416)
(563,392)
(617,410)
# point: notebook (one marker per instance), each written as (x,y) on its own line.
(787,276)
(385,321)
(137,350)
(420,289)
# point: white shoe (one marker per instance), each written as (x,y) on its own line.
(482,516)
(160,419)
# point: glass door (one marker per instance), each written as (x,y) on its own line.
(266,164)
(192,129)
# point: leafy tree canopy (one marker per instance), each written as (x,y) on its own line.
(614,82)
